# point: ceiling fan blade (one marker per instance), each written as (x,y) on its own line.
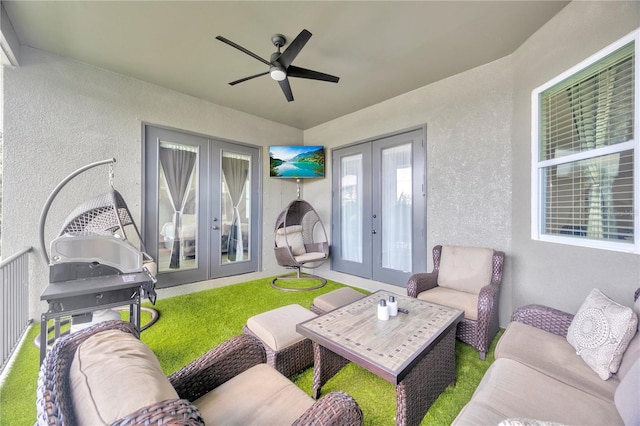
(294,48)
(294,71)
(233,83)
(242,49)
(286,89)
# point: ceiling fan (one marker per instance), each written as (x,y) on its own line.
(280,67)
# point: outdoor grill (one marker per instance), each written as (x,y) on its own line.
(93,264)
(93,242)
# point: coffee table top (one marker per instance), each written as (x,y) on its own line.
(390,348)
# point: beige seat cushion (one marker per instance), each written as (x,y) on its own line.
(465,269)
(337,298)
(258,396)
(554,356)
(277,327)
(309,257)
(510,389)
(114,374)
(291,236)
(468,302)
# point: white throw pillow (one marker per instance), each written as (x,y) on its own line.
(601,331)
(291,236)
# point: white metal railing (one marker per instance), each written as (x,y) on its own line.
(14,301)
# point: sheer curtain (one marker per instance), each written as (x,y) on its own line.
(592,102)
(235,170)
(396,202)
(177,162)
(351,203)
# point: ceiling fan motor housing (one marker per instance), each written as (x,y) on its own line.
(278,40)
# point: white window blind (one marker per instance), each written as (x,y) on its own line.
(586,150)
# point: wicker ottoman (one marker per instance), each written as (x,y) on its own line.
(287,351)
(335,299)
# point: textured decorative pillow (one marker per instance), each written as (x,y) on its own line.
(526,422)
(601,331)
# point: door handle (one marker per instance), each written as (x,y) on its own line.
(215,228)
(373,231)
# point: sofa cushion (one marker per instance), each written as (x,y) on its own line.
(510,389)
(112,375)
(552,355)
(627,397)
(632,354)
(601,331)
(258,396)
(468,302)
(465,269)
(291,236)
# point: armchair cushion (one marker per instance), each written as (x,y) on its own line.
(601,331)
(114,374)
(258,396)
(465,269)
(468,302)
(292,236)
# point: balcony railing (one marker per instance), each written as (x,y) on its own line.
(14,301)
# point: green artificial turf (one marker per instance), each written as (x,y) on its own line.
(190,325)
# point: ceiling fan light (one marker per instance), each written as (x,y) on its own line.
(278,73)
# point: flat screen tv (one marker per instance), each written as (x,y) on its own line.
(296,161)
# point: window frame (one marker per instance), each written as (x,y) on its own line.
(538,166)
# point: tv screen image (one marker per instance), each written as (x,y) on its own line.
(296,161)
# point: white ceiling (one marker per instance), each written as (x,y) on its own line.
(379,49)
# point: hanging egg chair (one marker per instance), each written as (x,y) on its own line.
(300,242)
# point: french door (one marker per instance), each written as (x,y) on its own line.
(201,213)
(379,208)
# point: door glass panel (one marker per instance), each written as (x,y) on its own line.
(236,208)
(177,207)
(396,201)
(351,202)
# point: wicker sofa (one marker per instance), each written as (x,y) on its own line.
(538,378)
(105,375)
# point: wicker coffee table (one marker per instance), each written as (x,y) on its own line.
(414,351)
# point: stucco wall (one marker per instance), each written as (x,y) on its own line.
(468,119)
(61,115)
(554,274)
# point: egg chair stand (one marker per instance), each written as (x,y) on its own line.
(300,242)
